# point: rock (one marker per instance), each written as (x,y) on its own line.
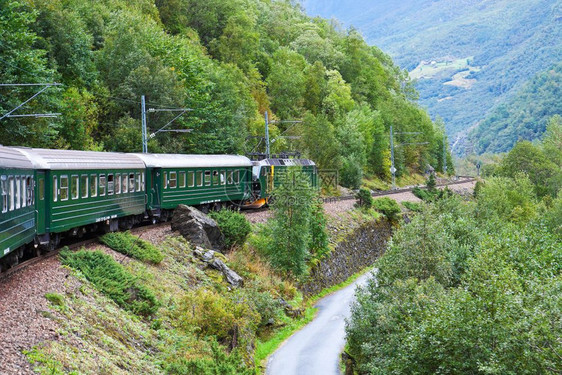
(231,277)
(205,256)
(211,258)
(197,228)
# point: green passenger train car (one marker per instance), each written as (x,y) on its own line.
(206,181)
(79,191)
(269,173)
(17,210)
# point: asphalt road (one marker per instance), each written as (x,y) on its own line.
(316,349)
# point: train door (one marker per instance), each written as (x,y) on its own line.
(155,188)
(40,202)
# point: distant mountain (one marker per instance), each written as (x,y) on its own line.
(522,117)
(469,56)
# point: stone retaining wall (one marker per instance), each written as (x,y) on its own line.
(359,250)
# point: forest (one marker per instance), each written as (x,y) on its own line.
(228,63)
(472,286)
(524,116)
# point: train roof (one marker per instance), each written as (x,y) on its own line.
(70,159)
(13,158)
(194,161)
(285,162)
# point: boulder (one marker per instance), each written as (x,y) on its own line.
(197,228)
(231,277)
(211,259)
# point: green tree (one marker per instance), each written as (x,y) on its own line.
(286,83)
(20,62)
(530,159)
(290,235)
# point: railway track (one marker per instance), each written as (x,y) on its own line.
(462,180)
(76,245)
(71,245)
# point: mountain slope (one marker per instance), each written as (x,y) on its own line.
(469,56)
(524,116)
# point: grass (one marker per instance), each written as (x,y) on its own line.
(126,243)
(265,348)
(112,279)
(431,70)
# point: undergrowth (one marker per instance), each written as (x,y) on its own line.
(128,244)
(112,279)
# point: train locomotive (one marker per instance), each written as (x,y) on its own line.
(50,194)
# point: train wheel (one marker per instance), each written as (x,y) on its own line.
(126,223)
(54,242)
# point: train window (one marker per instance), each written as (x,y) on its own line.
(11,192)
(142,181)
(63,188)
(199,177)
(131,182)
(4,191)
(173,180)
(84,186)
(18,192)
(237,177)
(223,177)
(23,191)
(215,178)
(117,183)
(29,185)
(181,179)
(229,177)
(110,184)
(41,189)
(74,187)
(190,179)
(55,189)
(138,182)
(94,185)
(125,184)
(102,185)
(207,178)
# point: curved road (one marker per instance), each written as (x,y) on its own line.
(315,350)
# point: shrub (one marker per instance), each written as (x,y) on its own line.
(351,173)
(364,198)
(412,206)
(387,206)
(126,243)
(227,317)
(218,362)
(111,279)
(430,183)
(233,225)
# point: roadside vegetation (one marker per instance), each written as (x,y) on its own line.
(472,286)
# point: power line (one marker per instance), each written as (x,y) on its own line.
(17,67)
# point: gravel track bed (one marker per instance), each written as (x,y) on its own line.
(22,305)
(336,208)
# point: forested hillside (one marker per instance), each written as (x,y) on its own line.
(524,116)
(228,61)
(468,56)
(472,287)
